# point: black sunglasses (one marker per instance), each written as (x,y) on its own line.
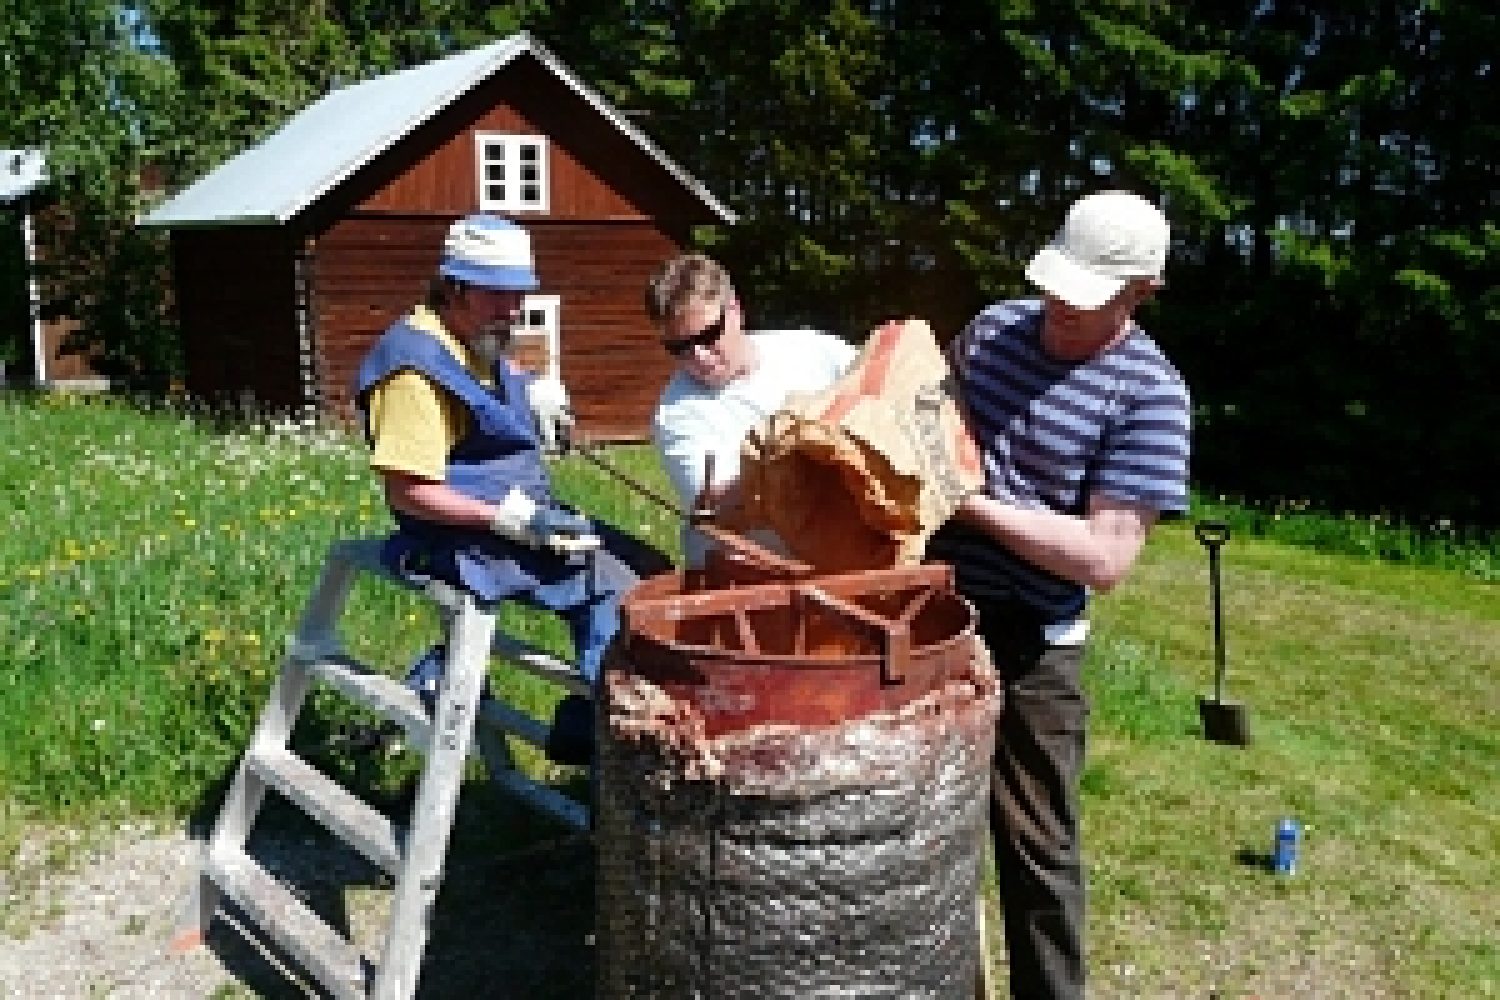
(680,347)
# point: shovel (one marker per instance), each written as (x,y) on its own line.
(1223,721)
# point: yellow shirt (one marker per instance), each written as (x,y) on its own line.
(414,422)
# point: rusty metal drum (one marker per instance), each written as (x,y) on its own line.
(793,789)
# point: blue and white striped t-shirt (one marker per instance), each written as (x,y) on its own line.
(1055,433)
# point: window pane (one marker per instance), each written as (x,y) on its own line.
(536,318)
(529,154)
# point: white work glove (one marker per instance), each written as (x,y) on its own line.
(522,519)
(548,399)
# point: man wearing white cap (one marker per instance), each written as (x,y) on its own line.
(457,434)
(1084,427)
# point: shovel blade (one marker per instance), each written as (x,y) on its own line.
(1224,721)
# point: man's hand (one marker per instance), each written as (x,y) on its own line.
(548,399)
(521,519)
(564,531)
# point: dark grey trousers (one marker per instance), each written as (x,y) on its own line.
(1039,749)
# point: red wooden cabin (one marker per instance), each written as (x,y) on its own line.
(33,337)
(290,259)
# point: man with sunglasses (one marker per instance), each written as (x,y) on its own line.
(728,379)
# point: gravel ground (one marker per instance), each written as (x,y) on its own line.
(99,929)
(508,925)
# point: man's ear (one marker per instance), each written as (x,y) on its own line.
(1142,289)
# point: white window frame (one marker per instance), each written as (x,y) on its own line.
(550,308)
(511,148)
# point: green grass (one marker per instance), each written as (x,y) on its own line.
(151,569)
(149,574)
(152,565)
(1374,696)
(1470,550)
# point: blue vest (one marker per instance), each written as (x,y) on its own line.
(500,451)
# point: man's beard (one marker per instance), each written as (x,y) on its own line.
(492,342)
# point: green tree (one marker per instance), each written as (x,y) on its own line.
(1340,313)
(1329,168)
(76,84)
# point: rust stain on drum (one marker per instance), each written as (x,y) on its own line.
(803,651)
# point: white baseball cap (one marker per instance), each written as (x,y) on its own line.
(1107,239)
(490,252)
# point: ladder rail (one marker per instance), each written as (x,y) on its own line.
(414,855)
(247,791)
(470,634)
(318,626)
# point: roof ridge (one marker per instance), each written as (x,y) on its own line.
(257,187)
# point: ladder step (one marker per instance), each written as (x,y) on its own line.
(511,720)
(549,800)
(392,699)
(539,663)
(272,907)
(325,800)
(395,701)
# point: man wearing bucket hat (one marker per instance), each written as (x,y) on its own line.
(1084,427)
(457,434)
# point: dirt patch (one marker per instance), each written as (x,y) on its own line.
(1272,953)
(514,921)
(508,924)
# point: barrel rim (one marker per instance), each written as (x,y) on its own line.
(929,651)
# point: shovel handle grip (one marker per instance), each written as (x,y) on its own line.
(1211,533)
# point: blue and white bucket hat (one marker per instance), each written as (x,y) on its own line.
(490,252)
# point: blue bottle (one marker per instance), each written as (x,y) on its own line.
(1284,853)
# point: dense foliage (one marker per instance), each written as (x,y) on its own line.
(1330,168)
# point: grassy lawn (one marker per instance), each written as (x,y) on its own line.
(1374,695)
(151,566)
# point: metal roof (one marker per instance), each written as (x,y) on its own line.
(326,142)
(22,171)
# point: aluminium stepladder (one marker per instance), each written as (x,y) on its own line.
(412,856)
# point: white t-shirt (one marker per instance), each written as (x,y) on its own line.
(693,420)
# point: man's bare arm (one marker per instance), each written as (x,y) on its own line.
(1096,550)
(435,501)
